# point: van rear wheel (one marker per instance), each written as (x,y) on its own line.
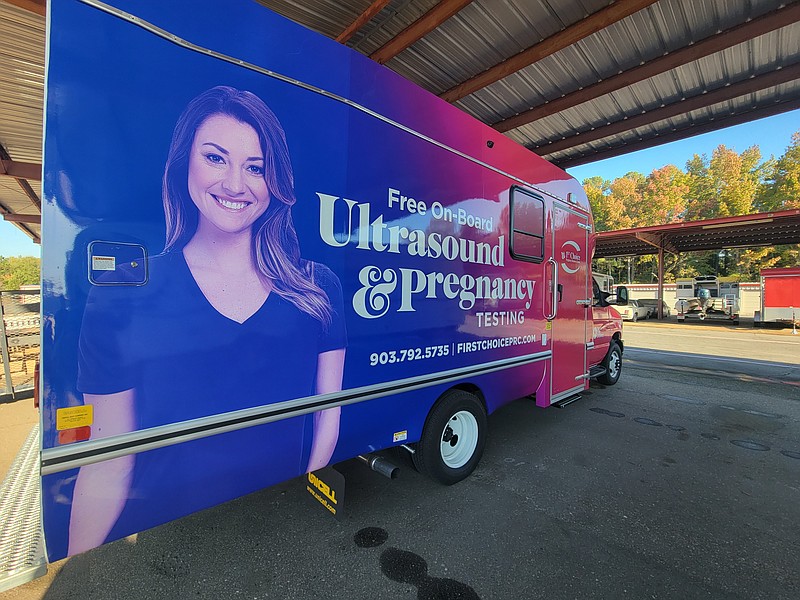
(453,438)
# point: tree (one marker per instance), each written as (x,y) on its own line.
(701,203)
(16,271)
(596,189)
(727,184)
(665,194)
(782,188)
(624,196)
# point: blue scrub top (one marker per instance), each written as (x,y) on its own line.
(185,360)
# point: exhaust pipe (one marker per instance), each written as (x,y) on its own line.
(380,465)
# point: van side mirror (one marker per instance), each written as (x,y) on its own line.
(622,295)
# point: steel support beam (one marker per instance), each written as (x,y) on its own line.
(656,240)
(20,170)
(679,134)
(362,19)
(35,6)
(660,294)
(418,29)
(15,218)
(564,38)
(21,226)
(741,88)
(26,187)
(771,21)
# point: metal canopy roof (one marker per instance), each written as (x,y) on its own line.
(581,80)
(762,229)
(21,102)
(573,80)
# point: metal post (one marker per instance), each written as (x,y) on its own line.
(4,348)
(660,283)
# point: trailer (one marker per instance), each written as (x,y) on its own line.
(707,297)
(780,297)
(264,254)
(606,282)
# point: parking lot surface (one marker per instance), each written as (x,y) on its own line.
(682,481)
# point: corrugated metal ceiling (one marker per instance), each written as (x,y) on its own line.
(486,32)
(21,102)
(760,68)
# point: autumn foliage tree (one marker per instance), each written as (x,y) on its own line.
(726,184)
(665,196)
(782,188)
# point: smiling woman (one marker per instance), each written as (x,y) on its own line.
(226,175)
(231,317)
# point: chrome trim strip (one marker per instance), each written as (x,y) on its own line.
(59,459)
(241,63)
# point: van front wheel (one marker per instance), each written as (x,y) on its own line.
(453,438)
(613,365)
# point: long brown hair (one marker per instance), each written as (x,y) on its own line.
(276,251)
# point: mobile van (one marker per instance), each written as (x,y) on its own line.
(264,254)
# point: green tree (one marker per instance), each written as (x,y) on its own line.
(782,187)
(726,185)
(16,271)
(701,203)
(596,189)
(664,199)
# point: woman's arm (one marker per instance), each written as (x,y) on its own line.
(101,489)
(330,368)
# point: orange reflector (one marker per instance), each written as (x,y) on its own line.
(76,434)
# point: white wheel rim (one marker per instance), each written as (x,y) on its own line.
(459,439)
(613,365)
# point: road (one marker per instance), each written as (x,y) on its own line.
(678,482)
(772,354)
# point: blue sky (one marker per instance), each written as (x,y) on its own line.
(772,135)
(15,243)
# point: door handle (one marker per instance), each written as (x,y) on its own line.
(553,287)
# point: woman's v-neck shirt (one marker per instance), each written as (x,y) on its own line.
(186,360)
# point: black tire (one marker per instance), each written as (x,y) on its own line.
(443,418)
(613,364)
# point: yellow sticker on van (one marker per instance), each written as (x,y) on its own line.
(74,416)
